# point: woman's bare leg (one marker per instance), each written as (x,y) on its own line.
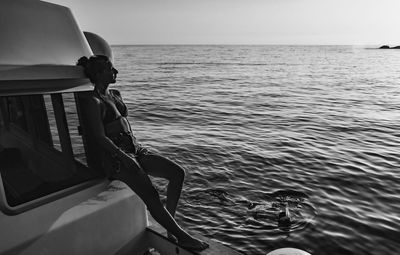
(158,166)
(140,183)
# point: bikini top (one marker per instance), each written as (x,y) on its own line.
(114,115)
(110,111)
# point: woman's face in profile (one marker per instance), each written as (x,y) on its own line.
(109,73)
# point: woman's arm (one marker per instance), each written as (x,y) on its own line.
(97,129)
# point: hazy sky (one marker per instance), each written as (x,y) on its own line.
(365,22)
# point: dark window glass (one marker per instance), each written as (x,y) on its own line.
(47,154)
(16,112)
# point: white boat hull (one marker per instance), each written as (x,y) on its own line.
(98,220)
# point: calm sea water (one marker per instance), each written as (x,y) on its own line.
(314,129)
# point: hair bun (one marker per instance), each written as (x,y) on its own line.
(82,61)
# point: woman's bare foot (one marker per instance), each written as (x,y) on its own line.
(192,243)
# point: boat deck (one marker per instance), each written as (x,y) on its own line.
(215,247)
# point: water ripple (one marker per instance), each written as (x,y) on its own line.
(248,121)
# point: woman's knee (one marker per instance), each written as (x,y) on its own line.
(180,174)
(176,173)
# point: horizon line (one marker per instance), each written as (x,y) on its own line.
(238,44)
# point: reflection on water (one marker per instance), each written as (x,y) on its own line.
(285,210)
(252,123)
(289,210)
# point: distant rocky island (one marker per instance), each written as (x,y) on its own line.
(387,47)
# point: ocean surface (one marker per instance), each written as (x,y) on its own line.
(260,130)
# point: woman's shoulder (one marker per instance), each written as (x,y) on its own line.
(94,98)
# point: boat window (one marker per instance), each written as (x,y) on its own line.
(41,148)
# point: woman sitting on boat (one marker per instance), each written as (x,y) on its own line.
(133,163)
